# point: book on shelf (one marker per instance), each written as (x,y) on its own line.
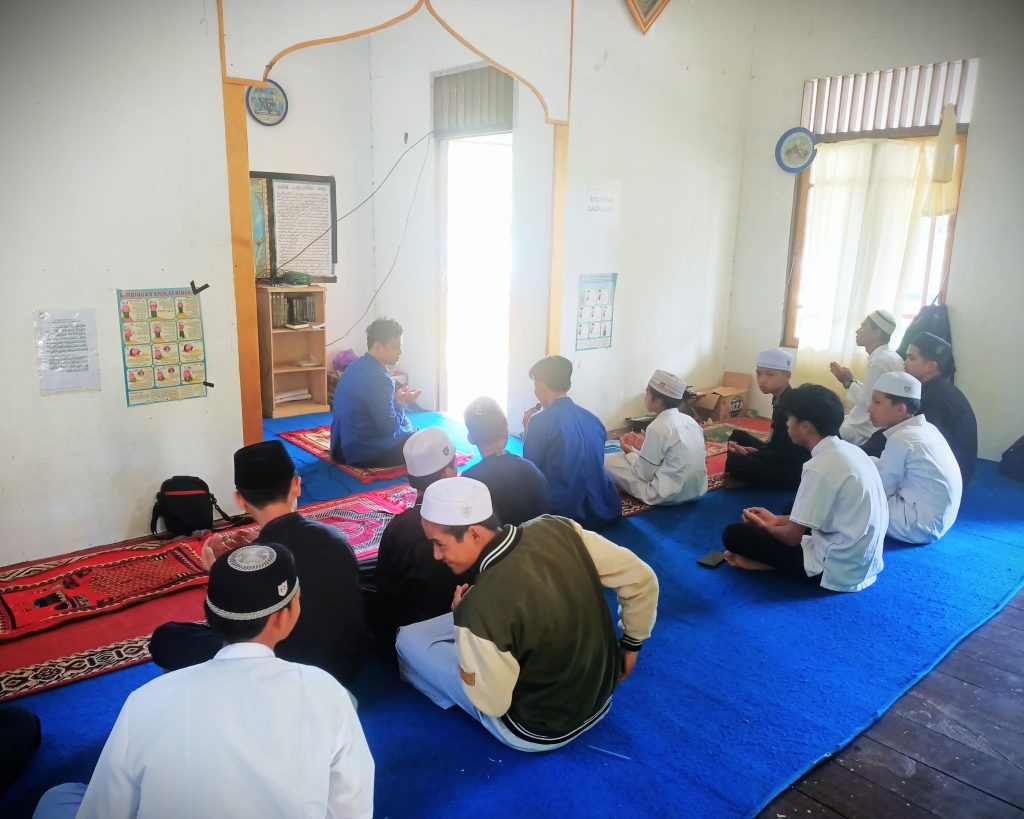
(292,395)
(301,326)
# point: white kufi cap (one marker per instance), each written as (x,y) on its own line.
(900,384)
(667,384)
(884,320)
(775,359)
(456,502)
(428,451)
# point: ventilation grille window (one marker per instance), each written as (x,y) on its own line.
(895,99)
(477,101)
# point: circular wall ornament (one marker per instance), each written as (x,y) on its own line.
(795,150)
(268,106)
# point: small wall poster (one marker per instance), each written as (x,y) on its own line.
(66,351)
(595,310)
(162,345)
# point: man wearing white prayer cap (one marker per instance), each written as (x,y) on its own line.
(665,464)
(529,650)
(411,585)
(244,734)
(873,335)
(778,463)
(918,469)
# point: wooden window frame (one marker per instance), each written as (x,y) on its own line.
(801,189)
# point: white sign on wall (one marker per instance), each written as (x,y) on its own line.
(66,351)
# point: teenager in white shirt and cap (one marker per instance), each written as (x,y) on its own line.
(666,464)
(918,469)
(529,650)
(243,734)
(873,335)
(834,534)
(778,463)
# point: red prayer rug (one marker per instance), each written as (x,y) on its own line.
(87,645)
(318,442)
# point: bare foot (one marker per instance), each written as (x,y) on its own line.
(741,562)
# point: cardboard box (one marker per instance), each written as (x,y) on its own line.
(728,400)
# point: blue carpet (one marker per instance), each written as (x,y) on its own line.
(748,681)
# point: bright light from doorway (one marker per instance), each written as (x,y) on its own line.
(479,260)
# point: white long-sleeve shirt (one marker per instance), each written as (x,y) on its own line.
(921,479)
(857,426)
(243,734)
(671,466)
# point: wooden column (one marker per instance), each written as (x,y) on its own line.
(559,174)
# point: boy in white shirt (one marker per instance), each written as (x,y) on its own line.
(243,734)
(918,469)
(834,534)
(667,463)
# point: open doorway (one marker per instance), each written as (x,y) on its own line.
(476,263)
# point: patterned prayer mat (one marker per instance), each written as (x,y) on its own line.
(37,597)
(95,648)
(318,442)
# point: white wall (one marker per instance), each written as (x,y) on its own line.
(663,116)
(402,59)
(327,133)
(986,289)
(113,163)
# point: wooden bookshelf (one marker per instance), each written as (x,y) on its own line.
(282,348)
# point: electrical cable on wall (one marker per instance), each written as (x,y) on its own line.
(401,241)
(279,268)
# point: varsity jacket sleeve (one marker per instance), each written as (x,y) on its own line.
(633,581)
(488,674)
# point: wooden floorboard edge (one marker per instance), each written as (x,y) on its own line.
(914,754)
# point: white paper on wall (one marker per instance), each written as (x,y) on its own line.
(66,351)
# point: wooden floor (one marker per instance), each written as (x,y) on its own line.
(951,746)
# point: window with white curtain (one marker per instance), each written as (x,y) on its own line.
(871,228)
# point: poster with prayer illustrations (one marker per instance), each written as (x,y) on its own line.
(594,311)
(162,345)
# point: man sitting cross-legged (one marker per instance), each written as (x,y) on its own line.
(369,425)
(834,535)
(530,650)
(519,490)
(779,463)
(667,463)
(242,734)
(919,472)
(566,442)
(332,634)
(411,585)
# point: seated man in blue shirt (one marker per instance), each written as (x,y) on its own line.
(566,442)
(519,491)
(370,427)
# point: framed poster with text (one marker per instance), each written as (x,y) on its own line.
(162,345)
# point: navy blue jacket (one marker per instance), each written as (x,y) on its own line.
(367,422)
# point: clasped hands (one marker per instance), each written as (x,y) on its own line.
(632,441)
(843,374)
(761,518)
(406,395)
(216,545)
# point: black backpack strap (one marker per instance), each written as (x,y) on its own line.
(234,520)
(156,516)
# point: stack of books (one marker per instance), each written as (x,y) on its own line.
(292,395)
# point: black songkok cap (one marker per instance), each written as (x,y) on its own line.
(265,465)
(252,582)
(933,347)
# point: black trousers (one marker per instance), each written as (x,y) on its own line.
(179,645)
(21,737)
(760,470)
(757,544)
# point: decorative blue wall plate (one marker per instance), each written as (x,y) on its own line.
(795,150)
